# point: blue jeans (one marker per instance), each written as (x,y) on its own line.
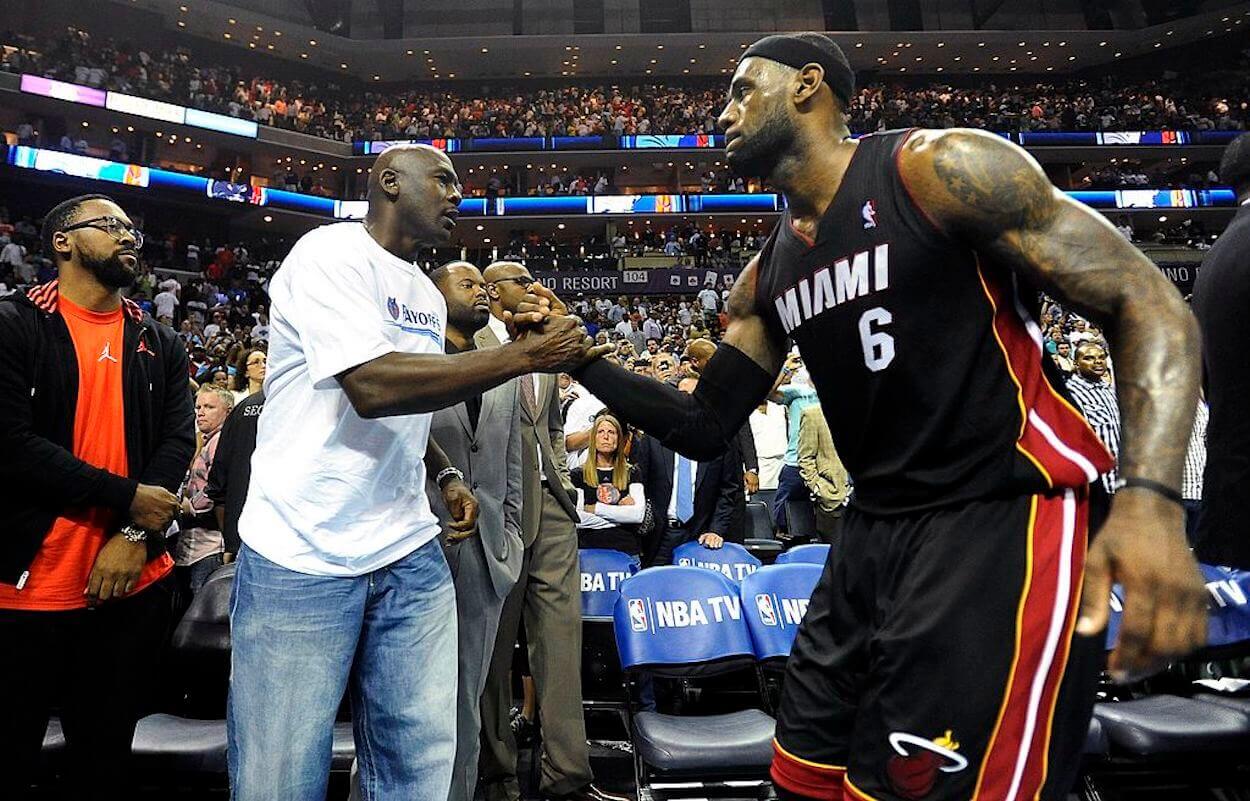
(299,641)
(790,486)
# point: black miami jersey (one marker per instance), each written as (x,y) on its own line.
(927,359)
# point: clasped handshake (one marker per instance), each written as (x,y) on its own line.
(553,340)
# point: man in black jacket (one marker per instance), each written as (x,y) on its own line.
(705,512)
(96,432)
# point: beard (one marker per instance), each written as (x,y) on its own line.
(758,155)
(111,271)
(468,320)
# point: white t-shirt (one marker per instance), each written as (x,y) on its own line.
(165,303)
(708,299)
(577,418)
(334,494)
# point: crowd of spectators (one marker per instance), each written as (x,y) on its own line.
(342,110)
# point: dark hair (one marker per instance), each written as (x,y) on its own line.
(1086,344)
(1235,164)
(61,216)
(240,368)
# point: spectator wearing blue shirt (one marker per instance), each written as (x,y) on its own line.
(793,391)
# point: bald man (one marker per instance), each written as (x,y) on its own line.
(342,581)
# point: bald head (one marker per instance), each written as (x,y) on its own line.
(414,199)
(506,281)
(404,160)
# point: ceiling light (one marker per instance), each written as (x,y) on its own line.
(277,33)
(131,129)
(232,20)
(84,124)
(344,66)
(182,8)
(227,35)
(1117,55)
(980,44)
(560,226)
(1102,44)
(902,69)
(252,45)
(959,58)
(181,24)
(859,44)
(527,75)
(377,77)
(685,72)
(408,52)
(659,47)
(267,218)
(312,42)
(487,240)
(613,61)
(480,227)
(618,47)
(648,72)
(485,49)
(693,60)
(1021,44)
(941,44)
(259,28)
(269,46)
(702,46)
(303,55)
(451,75)
(1163,218)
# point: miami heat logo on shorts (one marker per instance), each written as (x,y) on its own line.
(915,766)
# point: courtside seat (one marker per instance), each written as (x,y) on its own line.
(343,747)
(672,745)
(730,560)
(759,522)
(195,744)
(1096,743)
(774,601)
(1240,704)
(179,745)
(1167,724)
(687,623)
(816,553)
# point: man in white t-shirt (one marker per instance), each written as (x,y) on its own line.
(578,419)
(166,303)
(341,579)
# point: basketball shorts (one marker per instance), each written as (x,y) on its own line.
(938,659)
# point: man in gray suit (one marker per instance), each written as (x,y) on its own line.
(482,437)
(548,592)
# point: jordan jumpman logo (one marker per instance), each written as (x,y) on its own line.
(107,353)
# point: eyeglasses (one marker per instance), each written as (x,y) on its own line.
(115,227)
(520,280)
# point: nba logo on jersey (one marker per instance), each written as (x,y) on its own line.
(870,214)
(393,308)
(637,615)
(768,612)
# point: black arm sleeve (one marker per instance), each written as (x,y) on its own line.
(699,426)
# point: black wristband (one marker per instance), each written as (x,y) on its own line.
(1154,486)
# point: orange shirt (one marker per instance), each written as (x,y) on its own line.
(58,575)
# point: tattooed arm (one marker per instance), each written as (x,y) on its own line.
(991,195)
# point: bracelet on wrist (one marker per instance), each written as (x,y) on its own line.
(1164,490)
(447,472)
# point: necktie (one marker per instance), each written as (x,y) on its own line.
(528,402)
(685,489)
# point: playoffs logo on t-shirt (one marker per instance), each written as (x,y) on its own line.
(423,323)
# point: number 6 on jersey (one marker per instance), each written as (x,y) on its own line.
(878,345)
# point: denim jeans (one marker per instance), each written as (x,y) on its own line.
(790,487)
(388,637)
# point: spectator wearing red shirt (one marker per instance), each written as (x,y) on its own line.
(96,432)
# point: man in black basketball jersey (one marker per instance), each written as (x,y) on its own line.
(941,656)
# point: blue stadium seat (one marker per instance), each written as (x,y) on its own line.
(687,622)
(602,571)
(774,601)
(731,559)
(816,553)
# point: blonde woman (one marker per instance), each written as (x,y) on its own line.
(610,497)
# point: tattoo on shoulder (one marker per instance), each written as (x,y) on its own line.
(992,181)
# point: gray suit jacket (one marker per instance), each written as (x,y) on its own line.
(543,432)
(490,457)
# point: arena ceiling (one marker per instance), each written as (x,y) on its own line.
(629,56)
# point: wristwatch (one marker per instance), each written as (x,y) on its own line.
(133,533)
